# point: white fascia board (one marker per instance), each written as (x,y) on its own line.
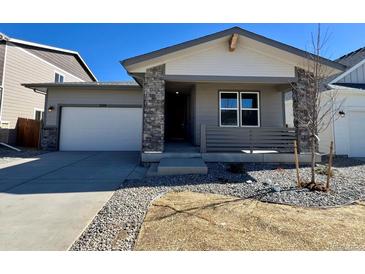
(347,90)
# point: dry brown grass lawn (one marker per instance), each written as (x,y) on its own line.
(194,221)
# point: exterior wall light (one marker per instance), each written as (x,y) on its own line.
(51,108)
(177,92)
(342,113)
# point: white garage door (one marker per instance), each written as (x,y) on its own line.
(100,129)
(357,133)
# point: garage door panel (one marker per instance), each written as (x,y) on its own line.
(357,133)
(100,129)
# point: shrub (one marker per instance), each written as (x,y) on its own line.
(236,167)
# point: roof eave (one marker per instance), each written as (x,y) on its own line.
(39,86)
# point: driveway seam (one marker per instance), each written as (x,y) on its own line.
(96,214)
(47,173)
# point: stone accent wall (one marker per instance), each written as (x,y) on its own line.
(49,139)
(300,110)
(154,110)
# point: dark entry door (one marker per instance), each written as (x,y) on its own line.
(176,117)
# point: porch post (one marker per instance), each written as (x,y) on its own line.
(153,110)
(300,110)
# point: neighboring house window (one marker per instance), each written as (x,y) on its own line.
(38,115)
(58,78)
(250,112)
(228,109)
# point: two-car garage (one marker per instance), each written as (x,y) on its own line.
(93,117)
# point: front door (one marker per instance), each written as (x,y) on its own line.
(176,117)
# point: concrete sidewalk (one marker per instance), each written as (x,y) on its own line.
(46,203)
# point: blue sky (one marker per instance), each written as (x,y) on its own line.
(103,45)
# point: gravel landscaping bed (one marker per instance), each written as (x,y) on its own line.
(8,155)
(117,224)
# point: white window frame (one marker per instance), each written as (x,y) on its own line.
(35,111)
(258,108)
(237,108)
(60,74)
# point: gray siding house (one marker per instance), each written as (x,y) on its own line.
(23,61)
(219,97)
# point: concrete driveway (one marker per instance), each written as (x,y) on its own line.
(46,202)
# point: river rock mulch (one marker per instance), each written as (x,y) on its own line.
(117,224)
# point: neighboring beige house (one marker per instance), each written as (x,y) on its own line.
(22,62)
(219,97)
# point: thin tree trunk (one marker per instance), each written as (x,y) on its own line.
(329,169)
(313,154)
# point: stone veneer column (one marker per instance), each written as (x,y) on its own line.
(154,110)
(49,139)
(300,110)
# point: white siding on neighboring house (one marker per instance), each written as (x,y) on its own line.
(353,105)
(347,132)
(23,67)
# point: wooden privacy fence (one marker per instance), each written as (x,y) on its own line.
(28,132)
(237,139)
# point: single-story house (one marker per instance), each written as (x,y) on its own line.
(221,96)
(347,129)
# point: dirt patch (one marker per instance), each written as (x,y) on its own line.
(195,221)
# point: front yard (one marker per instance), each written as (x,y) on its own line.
(196,221)
(117,225)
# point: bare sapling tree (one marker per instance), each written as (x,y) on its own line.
(321,101)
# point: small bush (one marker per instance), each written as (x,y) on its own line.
(323,170)
(236,168)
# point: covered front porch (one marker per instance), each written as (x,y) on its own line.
(223,121)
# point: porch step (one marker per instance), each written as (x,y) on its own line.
(178,166)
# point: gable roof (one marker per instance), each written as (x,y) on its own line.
(352,58)
(31,45)
(217,35)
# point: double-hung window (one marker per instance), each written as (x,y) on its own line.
(239,109)
(250,112)
(58,78)
(228,112)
